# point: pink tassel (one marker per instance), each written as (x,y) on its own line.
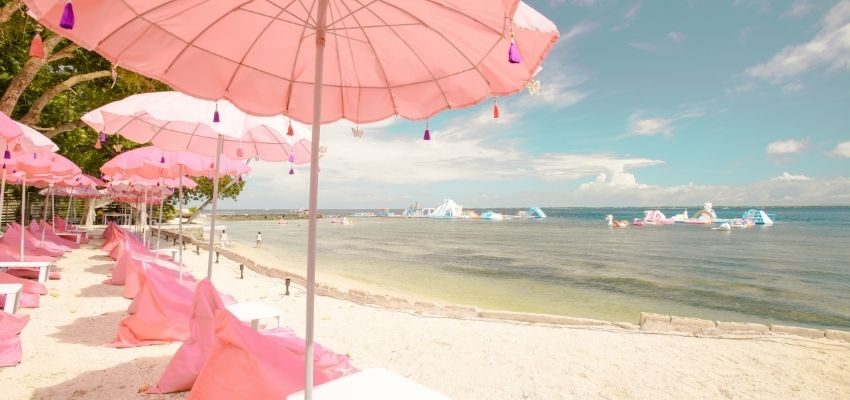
(290,131)
(513,54)
(37,46)
(67,20)
(17,148)
(97,145)
(240,153)
(496,111)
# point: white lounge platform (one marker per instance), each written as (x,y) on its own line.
(254,312)
(372,384)
(13,296)
(43,267)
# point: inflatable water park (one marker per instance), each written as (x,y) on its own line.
(704,216)
(450,209)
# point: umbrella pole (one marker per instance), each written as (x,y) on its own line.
(219,149)
(44,218)
(144,218)
(159,226)
(180,225)
(2,196)
(314,198)
(23,211)
(53,212)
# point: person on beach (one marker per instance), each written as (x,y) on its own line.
(224,238)
(259,239)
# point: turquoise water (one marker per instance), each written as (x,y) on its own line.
(795,272)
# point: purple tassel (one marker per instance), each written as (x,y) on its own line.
(162,160)
(291,157)
(239,178)
(102,137)
(67,20)
(4,165)
(427,134)
(291,171)
(7,155)
(216,117)
(513,54)
(34,156)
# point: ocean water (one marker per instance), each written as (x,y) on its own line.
(795,272)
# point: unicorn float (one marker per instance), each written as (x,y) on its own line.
(653,217)
(705,216)
(609,219)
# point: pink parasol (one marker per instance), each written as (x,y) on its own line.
(152,162)
(174,121)
(411,58)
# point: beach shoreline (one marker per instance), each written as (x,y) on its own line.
(67,353)
(363,293)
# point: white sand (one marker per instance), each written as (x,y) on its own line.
(65,353)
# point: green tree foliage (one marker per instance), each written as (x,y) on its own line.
(51,94)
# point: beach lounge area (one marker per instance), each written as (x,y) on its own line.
(69,348)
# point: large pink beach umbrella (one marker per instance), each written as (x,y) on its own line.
(47,168)
(174,121)
(411,58)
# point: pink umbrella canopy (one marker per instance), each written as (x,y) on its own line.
(141,183)
(319,61)
(174,121)
(411,58)
(17,137)
(49,166)
(152,162)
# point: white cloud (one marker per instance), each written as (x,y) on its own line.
(786,147)
(649,126)
(579,3)
(842,150)
(798,9)
(763,6)
(640,125)
(786,177)
(628,18)
(677,37)
(624,190)
(577,30)
(792,87)
(830,47)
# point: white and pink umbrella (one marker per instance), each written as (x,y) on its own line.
(318,60)
(153,162)
(174,121)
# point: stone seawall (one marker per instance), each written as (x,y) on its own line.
(649,322)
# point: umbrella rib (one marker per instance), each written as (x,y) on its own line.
(424,64)
(338,63)
(377,59)
(295,62)
(248,50)
(354,70)
(351,12)
(191,43)
(450,43)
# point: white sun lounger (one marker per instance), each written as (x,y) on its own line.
(13,296)
(372,384)
(43,267)
(254,312)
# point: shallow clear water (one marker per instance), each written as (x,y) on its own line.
(796,272)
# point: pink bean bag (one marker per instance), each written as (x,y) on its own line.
(162,311)
(245,364)
(10,343)
(184,367)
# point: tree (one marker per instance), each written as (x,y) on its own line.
(53,92)
(228,188)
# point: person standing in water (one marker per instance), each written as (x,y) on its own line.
(259,239)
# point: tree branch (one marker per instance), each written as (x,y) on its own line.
(66,127)
(9,9)
(66,52)
(35,110)
(23,79)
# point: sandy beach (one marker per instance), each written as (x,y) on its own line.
(66,354)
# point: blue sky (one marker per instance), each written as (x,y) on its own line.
(740,102)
